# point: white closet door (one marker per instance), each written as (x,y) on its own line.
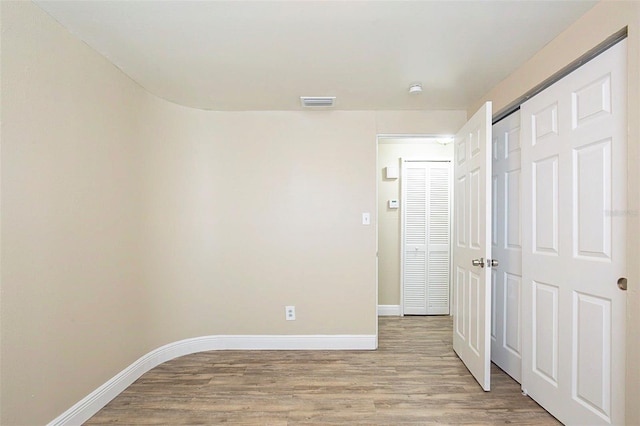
(574,204)
(506,246)
(439,231)
(472,245)
(426,249)
(414,213)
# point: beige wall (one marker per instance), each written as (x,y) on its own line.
(248,212)
(72,305)
(419,122)
(390,151)
(603,20)
(129,222)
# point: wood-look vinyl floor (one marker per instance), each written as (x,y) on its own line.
(413,378)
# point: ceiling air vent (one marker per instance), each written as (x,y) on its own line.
(317,101)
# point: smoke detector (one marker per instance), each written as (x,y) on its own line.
(415,88)
(317,101)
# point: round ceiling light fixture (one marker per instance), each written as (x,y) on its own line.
(415,88)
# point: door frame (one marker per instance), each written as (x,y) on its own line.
(407,136)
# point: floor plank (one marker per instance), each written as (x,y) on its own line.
(414,378)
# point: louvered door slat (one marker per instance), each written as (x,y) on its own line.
(415,206)
(415,291)
(438,283)
(439,206)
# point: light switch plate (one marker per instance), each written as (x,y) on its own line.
(366,218)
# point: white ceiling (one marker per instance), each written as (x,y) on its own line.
(264,55)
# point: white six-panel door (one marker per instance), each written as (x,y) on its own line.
(574,206)
(426,237)
(472,241)
(506,247)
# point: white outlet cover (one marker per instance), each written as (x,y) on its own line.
(290,313)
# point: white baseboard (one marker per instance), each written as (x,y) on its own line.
(100,397)
(389,311)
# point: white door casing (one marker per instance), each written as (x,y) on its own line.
(506,247)
(426,237)
(472,240)
(574,172)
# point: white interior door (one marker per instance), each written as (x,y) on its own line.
(426,237)
(506,247)
(472,245)
(574,204)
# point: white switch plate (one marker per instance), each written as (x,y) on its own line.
(366,218)
(290,313)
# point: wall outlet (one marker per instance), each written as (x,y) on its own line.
(290,313)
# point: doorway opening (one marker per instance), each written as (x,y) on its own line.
(393,152)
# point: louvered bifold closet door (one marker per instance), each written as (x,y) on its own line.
(415,238)
(438,239)
(426,238)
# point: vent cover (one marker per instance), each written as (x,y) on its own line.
(317,101)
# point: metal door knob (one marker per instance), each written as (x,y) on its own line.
(478,262)
(622,283)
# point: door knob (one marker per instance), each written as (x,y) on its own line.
(478,262)
(492,263)
(622,283)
